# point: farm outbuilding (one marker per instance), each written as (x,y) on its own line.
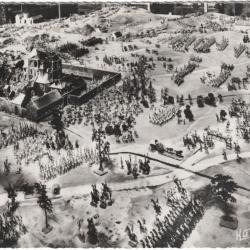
(40,107)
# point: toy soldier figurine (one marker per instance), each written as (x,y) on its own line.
(200,142)
(92,232)
(236,148)
(218,118)
(224,154)
(135,171)
(6,167)
(238,158)
(129,167)
(107,191)
(103,203)
(122,166)
(19,171)
(206,147)
(156,206)
(237,131)
(94,196)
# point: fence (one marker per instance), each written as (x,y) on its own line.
(75,99)
(89,73)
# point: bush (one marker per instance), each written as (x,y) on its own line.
(79,52)
(73,50)
(210,99)
(92,41)
(44,36)
(200,101)
(8,41)
(223,115)
(68,47)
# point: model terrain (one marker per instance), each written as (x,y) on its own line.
(115,168)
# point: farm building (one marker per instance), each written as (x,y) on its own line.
(25,19)
(40,107)
(41,64)
(115,36)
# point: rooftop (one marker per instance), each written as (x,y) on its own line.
(18,100)
(47,99)
(37,17)
(43,55)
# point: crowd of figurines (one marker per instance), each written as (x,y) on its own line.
(67,162)
(237,83)
(117,113)
(42,147)
(182,43)
(120,120)
(14,134)
(46,143)
(240,110)
(172,225)
(207,140)
(162,115)
(117,107)
(216,81)
(179,74)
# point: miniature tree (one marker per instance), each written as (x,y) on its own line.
(107,60)
(181,101)
(236,80)
(245,39)
(188,113)
(76,144)
(220,97)
(92,232)
(102,146)
(56,121)
(164,95)
(151,93)
(141,71)
(12,204)
(170,67)
(11,226)
(177,99)
(223,186)
(210,99)
(223,115)
(11,229)
(44,202)
(190,99)
(7,165)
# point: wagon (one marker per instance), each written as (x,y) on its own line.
(166,151)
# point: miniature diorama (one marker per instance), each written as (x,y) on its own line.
(124,125)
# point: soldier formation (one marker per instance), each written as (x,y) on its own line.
(170,228)
(162,115)
(16,133)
